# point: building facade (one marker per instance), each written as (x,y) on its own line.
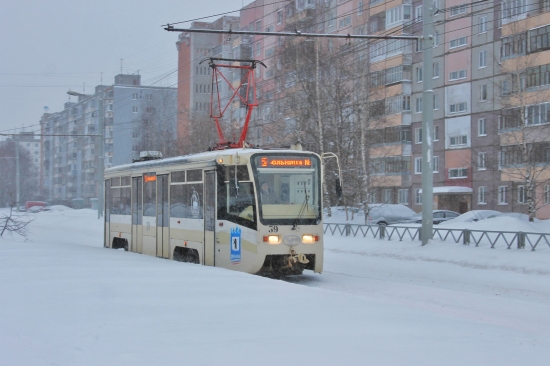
(491,67)
(110,120)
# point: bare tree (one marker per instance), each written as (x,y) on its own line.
(28,173)
(156,123)
(12,222)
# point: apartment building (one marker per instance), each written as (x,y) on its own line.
(491,67)
(195,76)
(71,138)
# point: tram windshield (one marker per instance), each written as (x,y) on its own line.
(288,188)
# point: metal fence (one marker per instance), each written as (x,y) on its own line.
(465,236)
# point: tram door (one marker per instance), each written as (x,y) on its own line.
(137,216)
(163,217)
(209,217)
(149,215)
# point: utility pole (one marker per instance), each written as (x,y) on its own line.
(427,122)
(17,177)
(101,158)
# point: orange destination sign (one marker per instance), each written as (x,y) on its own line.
(277,162)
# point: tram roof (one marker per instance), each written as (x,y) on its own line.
(203,157)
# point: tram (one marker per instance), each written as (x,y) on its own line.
(246,209)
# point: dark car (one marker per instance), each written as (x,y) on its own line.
(438,217)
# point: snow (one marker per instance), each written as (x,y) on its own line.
(450,189)
(65,300)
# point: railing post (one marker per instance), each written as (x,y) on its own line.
(521,240)
(466,237)
(348,229)
(382,230)
(419,234)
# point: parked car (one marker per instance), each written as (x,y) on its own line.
(474,215)
(517,215)
(438,217)
(387,214)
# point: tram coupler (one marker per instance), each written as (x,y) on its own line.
(293,258)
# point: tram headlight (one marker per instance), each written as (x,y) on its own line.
(309,239)
(272,239)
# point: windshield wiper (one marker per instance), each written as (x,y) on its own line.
(302,209)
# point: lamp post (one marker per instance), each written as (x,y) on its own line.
(101,157)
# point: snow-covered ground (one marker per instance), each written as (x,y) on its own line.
(65,300)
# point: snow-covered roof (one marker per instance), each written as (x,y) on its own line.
(451,189)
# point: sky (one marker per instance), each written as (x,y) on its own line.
(50,47)
(66,300)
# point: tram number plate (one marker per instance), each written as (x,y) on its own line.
(273,229)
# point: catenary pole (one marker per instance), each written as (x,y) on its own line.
(17,177)
(427,122)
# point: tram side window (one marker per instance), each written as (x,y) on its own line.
(120,201)
(178,177)
(194,175)
(186,201)
(149,197)
(238,207)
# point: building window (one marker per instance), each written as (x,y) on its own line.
(403,196)
(436,70)
(258,49)
(482,195)
(417,197)
(436,101)
(436,133)
(360,8)
(483,93)
(539,39)
(419,74)
(482,59)
(418,13)
(502,195)
(457,75)
(437,39)
(417,165)
(279,17)
(149,97)
(458,140)
(481,163)
(397,15)
(135,96)
(134,109)
(435,164)
(481,127)
(386,196)
(418,135)
(511,8)
(482,24)
(522,197)
(460,9)
(458,173)
(418,106)
(547,194)
(459,42)
(419,45)
(372,197)
(513,45)
(458,107)
(345,22)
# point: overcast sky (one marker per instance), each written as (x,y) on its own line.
(49,47)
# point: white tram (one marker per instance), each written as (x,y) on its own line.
(210,208)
